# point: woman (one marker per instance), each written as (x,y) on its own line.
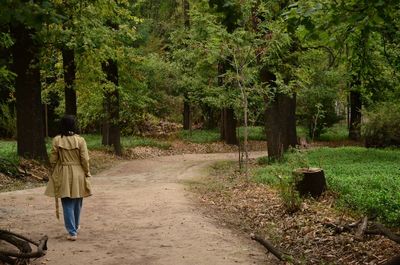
(70,179)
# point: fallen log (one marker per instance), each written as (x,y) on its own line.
(23,245)
(379,229)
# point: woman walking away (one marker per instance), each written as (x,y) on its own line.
(70,179)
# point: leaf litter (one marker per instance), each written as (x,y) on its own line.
(304,235)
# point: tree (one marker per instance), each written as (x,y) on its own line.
(187,115)
(111,126)
(230,15)
(24,21)
(362,31)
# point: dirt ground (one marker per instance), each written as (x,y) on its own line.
(140,213)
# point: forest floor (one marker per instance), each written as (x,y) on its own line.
(166,207)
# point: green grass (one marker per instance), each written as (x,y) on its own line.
(337,132)
(256,133)
(367,180)
(200,136)
(8,150)
(94,142)
(208,136)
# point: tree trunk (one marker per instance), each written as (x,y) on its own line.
(230,126)
(355,115)
(228,120)
(187,121)
(30,123)
(310,181)
(187,115)
(111,130)
(69,81)
(280,113)
(209,117)
(186,16)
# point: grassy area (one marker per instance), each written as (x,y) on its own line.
(208,136)
(337,132)
(256,133)
(367,180)
(94,142)
(200,136)
(8,148)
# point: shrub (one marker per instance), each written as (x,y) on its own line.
(381,125)
(8,124)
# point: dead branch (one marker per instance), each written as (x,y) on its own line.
(23,244)
(342,228)
(379,229)
(393,261)
(361,229)
(267,244)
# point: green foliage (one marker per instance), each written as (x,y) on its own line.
(94,142)
(367,180)
(256,133)
(8,151)
(381,126)
(319,98)
(8,126)
(290,196)
(200,136)
(337,132)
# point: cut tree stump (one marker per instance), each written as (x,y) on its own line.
(310,181)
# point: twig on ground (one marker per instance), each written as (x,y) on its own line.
(268,245)
(361,229)
(379,229)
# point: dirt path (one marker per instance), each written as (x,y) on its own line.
(140,214)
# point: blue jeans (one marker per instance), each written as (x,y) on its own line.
(72,211)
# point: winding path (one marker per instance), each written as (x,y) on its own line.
(140,214)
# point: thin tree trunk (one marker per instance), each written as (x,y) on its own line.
(355,115)
(209,117)
(187,119)
(111,130)
(69,80)
(30,123)
(230,126)
(187,114)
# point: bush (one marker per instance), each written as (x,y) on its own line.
(8,124)
(381,125)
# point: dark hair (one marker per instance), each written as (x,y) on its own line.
(68,126)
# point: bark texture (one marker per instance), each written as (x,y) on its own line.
(280,119)
(69,81)
(111,130)
(355,115)
(30,112)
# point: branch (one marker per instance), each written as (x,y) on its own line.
(41,251)
(381,230)
(332,57)
(267,244)
(361,229)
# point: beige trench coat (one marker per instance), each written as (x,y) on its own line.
(69,159)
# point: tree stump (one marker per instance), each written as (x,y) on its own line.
(310,181)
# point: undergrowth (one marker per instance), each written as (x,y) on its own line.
(255,133)
(367,180)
